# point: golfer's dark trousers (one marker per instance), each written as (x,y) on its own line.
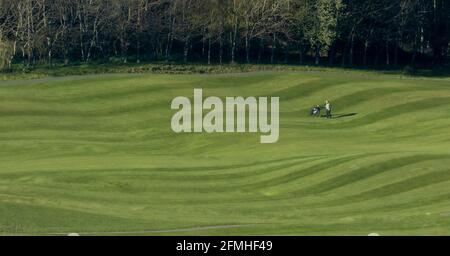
(328,114)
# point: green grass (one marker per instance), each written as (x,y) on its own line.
(42,70)
(95,154)
(20,71)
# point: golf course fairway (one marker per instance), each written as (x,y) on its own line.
(96,155)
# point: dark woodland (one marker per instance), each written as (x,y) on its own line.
(348,33)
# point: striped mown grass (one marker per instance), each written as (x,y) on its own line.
(96,155)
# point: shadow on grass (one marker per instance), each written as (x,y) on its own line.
(344,115)
(340,115)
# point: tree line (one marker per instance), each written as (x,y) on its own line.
(332,32)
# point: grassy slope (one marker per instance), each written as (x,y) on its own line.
(96,154)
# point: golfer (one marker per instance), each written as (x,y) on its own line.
(328,108)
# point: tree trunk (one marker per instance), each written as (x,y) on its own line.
(29,32)
(300,54)
(247,49)
(274,43)
(186,50)
(123,50)
(81,36)
(233,47)
(331,54)
(138,51)
(220,49)
(168,47)
(387,53)
(286,53)
(209,51)
(378,51)
(169,40)
(366,45)
(49,52)
(352,45)
(260,50)
(413,57)
(396,53)
(317,61)
(203,41)
(344,52)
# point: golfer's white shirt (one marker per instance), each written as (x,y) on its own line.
(327,106)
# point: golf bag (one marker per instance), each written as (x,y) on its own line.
(315,111)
